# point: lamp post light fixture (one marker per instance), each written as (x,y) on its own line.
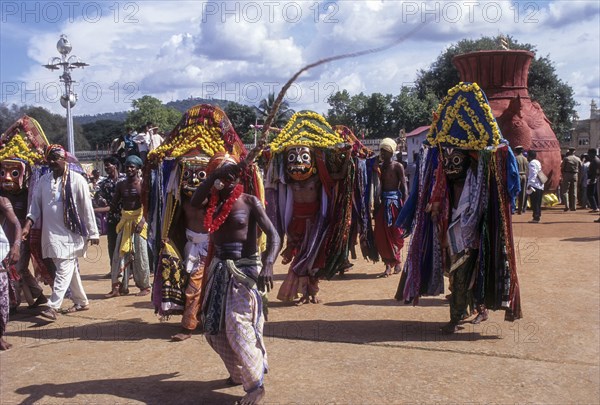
(69,99)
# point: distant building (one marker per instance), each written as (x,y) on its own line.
(586,133)
(414,140)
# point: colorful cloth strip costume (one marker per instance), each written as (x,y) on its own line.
(459,211)
(233,319)
(313,174)
(361,225)
(175,170)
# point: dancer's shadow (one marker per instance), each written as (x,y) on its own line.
(376,331)
(71,328)
(153,389)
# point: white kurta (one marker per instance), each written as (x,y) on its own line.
(58,242)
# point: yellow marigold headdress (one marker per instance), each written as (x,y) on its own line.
(204,128)
(464,119)
(306,128)
(24,140)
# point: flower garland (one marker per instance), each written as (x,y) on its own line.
(302,129)
(18,148)
(451,114)
(212,224)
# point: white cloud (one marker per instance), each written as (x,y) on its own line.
(182,48)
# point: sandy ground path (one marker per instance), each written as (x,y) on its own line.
(358,347)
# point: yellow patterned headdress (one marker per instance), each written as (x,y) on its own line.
(306,128)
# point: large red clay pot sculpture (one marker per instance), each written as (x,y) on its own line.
(503,75)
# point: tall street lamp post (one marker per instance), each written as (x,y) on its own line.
(69,99)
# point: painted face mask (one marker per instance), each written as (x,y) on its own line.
(456,162)
(12,173)
(193,173)
(300,163)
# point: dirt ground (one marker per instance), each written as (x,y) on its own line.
(358,347)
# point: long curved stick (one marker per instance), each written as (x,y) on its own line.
(261,142)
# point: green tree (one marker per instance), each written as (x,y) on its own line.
(554,95)
(241,117)
(283,115)
(101,133)
(55,128)
(151,109)
(409,111)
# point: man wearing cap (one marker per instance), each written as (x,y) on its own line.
(388,202)
(570,168)
(131,250)
(523,166)
(62,202)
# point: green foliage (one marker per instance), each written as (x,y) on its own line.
(283,115)
(554,95)
(379,115)
(241,117)
(101,133)
(150,109)
(54,125)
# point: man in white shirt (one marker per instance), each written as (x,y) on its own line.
(535,187)
(62,202)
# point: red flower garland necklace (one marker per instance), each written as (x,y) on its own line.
(211,224)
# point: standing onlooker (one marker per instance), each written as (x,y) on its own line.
(388,203)
(535,187)
(62,202)
(569,169)
(523,166)
(142,139)
(103,198)
(592,191)
(155,138)
(585,164)
(131,250)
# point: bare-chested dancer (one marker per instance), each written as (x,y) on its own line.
(234,277)
(10,256)
(388,238)
(131,251)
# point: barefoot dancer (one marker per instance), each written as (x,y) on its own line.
(232,308)
(314,203)
(388,238)
(460,216)
(131,250)
(10,256)
(14,173)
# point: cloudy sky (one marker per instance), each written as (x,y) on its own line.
(243,50)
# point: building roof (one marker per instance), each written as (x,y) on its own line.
(418,131)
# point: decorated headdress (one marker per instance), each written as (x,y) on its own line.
(306,128)
(24,140)
(358,148)
(204,128)
(464,120)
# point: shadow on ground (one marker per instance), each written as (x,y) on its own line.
(152,389)
(375,331)
(74,328)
